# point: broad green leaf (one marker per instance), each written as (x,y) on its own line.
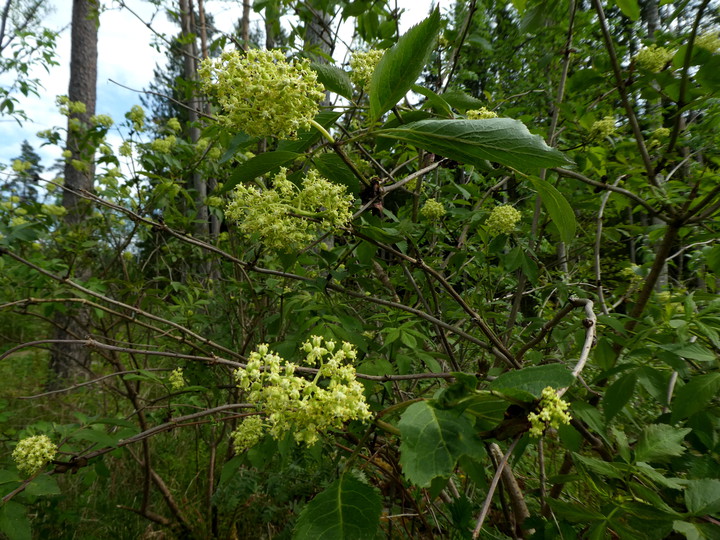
(432,441)
(629,8)
(348,509)
(462,101)
(696,531)
(332,167)
(334,79)
(534,379)
(401,65)
(598,466)
(574,512)
(14,522)
(259,165)
(503,140)
(703,496)
(658,442)
(43,485)
(237,143)
(560,211)
(693,351)
(712,259)
(618,394)
(437,102)
(695,395)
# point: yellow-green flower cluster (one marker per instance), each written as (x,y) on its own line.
(173,125)
(289,402)
(125,149)
(661,133)
(502,220)
(136,115)
(363,64)
(248,433)
(480,114)
(602,129)
(552,412)
(432,210)
(68,107)
(176,379)
(263,94)
(164,145)
(102,120)
(653,58)
(710,41)
(278,215)
(33,453)
(20,166)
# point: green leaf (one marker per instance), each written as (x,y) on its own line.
(401,65)
(259,165)
(432,441)
(462,101)
(334,79)
(534,379)
(618,394)
(712,259)
(332,167)
(629,8)
(695,395)
(658,442)
(43,485)
(14,522)
(703,496)
(692,351)
(560,211)
(437,102)
(598,466)
(503,140)
(574,512)
(347,509)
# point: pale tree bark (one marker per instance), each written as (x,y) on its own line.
(190,55)
(67,359)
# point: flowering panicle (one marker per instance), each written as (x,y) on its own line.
(480,114)
(363,64)
(432,210)
(177,379)
(33,453)
(278,215)
(653,58)
(552,412)
(502,220)
(288,402)
(263,94)
(602,129)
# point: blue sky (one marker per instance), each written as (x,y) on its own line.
(125,55)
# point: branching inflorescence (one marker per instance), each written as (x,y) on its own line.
(288,402)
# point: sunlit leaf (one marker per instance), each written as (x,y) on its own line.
(401,65)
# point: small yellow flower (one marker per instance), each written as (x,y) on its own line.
(33,453)
(176,380)
(653,58)
(552,413)
(480,114)
(502,220)
(602,128)
(432,210)
(263,94)
(363,64)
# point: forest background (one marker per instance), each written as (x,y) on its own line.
(451,280)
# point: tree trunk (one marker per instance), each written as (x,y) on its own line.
(190,55)
(67,359)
